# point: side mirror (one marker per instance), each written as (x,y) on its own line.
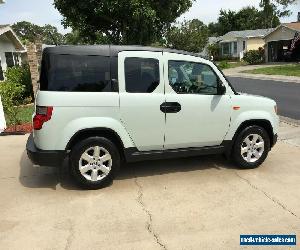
(221,88)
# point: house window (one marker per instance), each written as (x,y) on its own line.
(16,58)
(234,47)
(244,45)
(9,59)
(226,48)
(1,72)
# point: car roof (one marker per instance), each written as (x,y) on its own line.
(107,50)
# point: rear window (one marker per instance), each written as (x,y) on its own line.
(75,73)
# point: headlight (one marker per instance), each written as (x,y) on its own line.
(275,109)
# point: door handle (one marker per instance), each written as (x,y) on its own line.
(170,107)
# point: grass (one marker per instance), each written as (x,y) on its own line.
(24,115)
(229,65)
(286,70)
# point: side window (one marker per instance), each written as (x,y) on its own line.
(192,78)
(9,59)
(1,72)
(78,73)
(235,47)
(141,74)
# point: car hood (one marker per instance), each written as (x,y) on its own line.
(258,97)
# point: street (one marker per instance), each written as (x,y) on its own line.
(286,94)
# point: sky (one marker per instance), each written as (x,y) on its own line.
(43,12)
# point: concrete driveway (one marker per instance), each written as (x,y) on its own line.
(195,203)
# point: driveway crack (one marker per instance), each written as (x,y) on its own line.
(284,207)
(70,236)
(149,223)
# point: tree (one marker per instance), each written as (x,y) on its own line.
(48,34)
(213,50)
(227,21)
(190,36)
(248,18)
(26,30)
(272,10)
(75,37)
(121,21)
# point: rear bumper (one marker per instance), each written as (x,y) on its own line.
(40,157)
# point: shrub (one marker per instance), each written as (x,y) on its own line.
(11,96)
(21,76)
(255,56)
(213,50)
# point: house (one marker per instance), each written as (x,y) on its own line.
(12,51)
(211,40)
(278,43)
(236,43)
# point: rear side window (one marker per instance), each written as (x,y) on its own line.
(80,73)
(141,74)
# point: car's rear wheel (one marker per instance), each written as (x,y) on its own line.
(94,162)
(251,147)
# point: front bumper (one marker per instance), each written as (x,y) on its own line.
(40,157)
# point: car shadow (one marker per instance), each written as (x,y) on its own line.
(32,176)
(48,177)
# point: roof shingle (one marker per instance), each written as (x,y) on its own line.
(249,33)
(295,26)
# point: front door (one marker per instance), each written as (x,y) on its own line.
(202,117)
(141,88)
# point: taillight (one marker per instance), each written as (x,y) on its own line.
(42,115)
(275,109)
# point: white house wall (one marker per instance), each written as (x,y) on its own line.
(5,46)
(240,47)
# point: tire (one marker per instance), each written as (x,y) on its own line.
(251,147)
(88,166)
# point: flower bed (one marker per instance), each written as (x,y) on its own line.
(25,127)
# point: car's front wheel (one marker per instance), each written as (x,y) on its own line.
(251,147)
(94,162)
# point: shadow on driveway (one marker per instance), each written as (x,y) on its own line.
(48,177)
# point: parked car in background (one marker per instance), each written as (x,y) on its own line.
(101,105)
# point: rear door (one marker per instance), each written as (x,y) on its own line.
(141,89)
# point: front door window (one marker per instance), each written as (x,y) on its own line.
(192,78)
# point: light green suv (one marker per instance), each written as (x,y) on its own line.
(101,105)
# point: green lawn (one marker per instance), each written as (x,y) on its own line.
(24,115)
(286,70)
(229,65)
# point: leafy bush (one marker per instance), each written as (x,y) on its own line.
(224,65)
(11,96)
(255,56)
(21,76)
(213,50)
